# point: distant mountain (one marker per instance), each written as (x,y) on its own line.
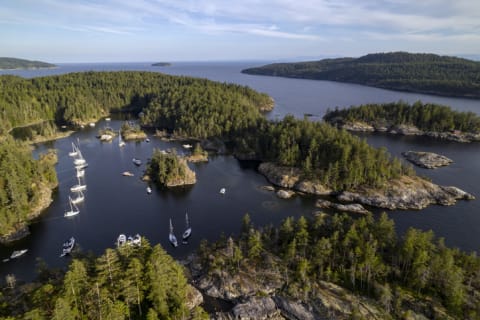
(161,64)
(14,63)
(419,72)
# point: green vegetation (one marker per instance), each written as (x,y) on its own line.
(424,73)
(167,169)
(338,159)
(131,130)
(79,98)
(125,283)
(14,63)
(416,271)
(426,117)
(25,184)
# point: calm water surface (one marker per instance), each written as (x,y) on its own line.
(115,204)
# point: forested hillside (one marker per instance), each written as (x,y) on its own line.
(129,282)
(426,117)
(424,73)
(414,273)
(79,98)
(14,63)
(25,184)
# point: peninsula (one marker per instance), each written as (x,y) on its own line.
(428,119)
(402,71)
(14,63)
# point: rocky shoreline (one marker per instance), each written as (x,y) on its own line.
(407,130)
(428,160)
(405,193)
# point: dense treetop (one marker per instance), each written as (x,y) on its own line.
(78,98)
(425,73)
(426,117)
(415,271)
(130,282)
(14,63)
(23,183)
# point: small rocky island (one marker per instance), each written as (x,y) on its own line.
(169,170)
(132,131)
(161,64)
(427,160)
(404,193)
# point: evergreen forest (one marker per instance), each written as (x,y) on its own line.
(414,272)
(425,116)
(129,282)
(415,72)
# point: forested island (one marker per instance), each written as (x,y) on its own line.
(14,63)
(324,267)
(161,64)
(419,118)
(415,72)
(169,170)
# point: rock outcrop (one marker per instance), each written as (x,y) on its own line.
(427,160)
(285,194)
(403,129)
(403,193)
(353,207)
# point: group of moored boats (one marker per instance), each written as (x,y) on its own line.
(80,164)
(131,241)
(186,234)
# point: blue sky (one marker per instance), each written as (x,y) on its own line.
(200,30)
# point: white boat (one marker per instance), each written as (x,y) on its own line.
(107,119)
(121,240)
(171,236)
(68,246)
(188,231)
(121,143)
(80,173)
(149,190)
(73,209)
(78,187)
(187,146)
(79,160)
(223,190)
(137,240)
(18,253)
(74,151)
(136,161)
(127,174)
(92,124)
(147,140)
(79,198)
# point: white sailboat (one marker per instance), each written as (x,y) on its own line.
(74,151)
(18,253)
(188,231)
(121,143)
(79,198)
(171,236)
(79,160)
(78,187)
(73,209)
(80,172)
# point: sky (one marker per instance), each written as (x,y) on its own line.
(212,30)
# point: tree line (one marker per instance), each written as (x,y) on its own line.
(24,183)
(420,72)
(425,116)
(129,282)
(364,255)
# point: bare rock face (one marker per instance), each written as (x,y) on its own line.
(427,160)
(353,207)
(285,194)
(406,193)
(407,130)
(293,310)
(194,297)
(358,126)
(256,308)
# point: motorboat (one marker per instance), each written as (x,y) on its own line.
(68,246)
(137,240)
(171,236)
(187,146)
(223,190)
(136,161)
(127,174)
(18,253)
(121,240)
(149,190)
